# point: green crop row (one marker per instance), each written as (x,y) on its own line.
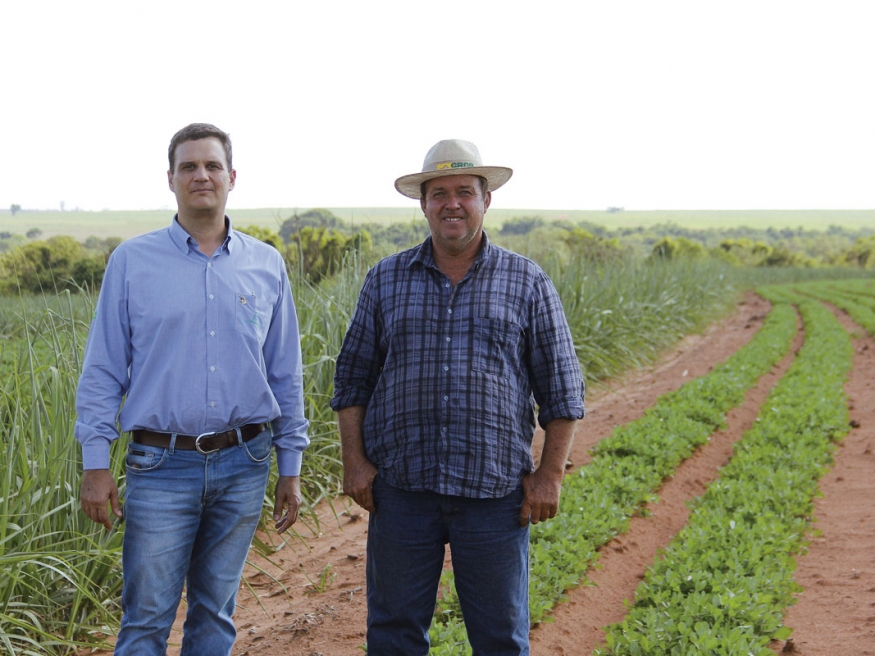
(722,585)
(598,500)
(856,297)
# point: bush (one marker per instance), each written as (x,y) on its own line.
(680,248)
(319,252)
(55,264)
(521,225)
(862,253)
(316,218)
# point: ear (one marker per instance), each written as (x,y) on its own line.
(422,203)
(233,177)
(170,181)
(487,200)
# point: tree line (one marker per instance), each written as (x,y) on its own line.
(315,243)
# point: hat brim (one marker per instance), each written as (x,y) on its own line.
(411,185)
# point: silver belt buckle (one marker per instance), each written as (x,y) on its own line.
(197,443)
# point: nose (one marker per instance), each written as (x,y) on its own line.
(452,200)
(201,173)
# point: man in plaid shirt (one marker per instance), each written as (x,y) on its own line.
(453,346)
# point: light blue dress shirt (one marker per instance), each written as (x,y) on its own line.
(193,344)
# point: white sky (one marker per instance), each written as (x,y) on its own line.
(643,104)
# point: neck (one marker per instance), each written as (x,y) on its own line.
(208,231)
(455,265)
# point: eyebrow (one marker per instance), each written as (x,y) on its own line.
(444,187)
(209,161)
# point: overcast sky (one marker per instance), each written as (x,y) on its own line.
(639,104)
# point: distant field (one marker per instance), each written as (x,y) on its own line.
(117,223)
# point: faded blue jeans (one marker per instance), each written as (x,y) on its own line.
(189,519)
(406,541)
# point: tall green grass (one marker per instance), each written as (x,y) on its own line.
(624,313)
(324,312)
(60,572)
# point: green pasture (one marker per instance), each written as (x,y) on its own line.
(128,223)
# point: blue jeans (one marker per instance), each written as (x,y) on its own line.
(189,519)
(489,548)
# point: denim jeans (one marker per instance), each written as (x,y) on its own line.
(406,540)
(189,519)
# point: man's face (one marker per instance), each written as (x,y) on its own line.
(201,179)
(454,206)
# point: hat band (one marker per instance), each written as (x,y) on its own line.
(454,165)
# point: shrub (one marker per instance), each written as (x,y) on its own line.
(57,263)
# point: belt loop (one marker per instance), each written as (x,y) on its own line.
(172,446)
(239,436)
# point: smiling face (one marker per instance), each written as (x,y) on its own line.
(201,178)
(455,206)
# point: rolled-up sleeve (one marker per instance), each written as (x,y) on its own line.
(555,376)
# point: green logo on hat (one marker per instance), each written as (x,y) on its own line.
(454,165)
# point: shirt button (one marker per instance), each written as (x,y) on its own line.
(212,368)
(211,297)
(446,368)
(446,398)
(448,339)
(449,310)
(212,333)
(213,404)
(209,265)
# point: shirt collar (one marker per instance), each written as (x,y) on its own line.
(185,242)
(425,253)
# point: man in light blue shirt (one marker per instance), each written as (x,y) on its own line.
(196,331)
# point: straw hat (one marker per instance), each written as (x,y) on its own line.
(452,157)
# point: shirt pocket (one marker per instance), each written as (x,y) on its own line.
(248,319)
(496,346)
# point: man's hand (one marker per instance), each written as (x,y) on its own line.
(542,487)
(541,497)
(287,496)
(358,472)
(97,489)
(358,481)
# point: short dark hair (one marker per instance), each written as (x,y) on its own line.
(484,186)
(196,131)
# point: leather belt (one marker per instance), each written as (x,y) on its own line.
(204,443)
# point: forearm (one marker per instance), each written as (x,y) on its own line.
(352,444)
(543,487)
(558,437)
(358,471)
